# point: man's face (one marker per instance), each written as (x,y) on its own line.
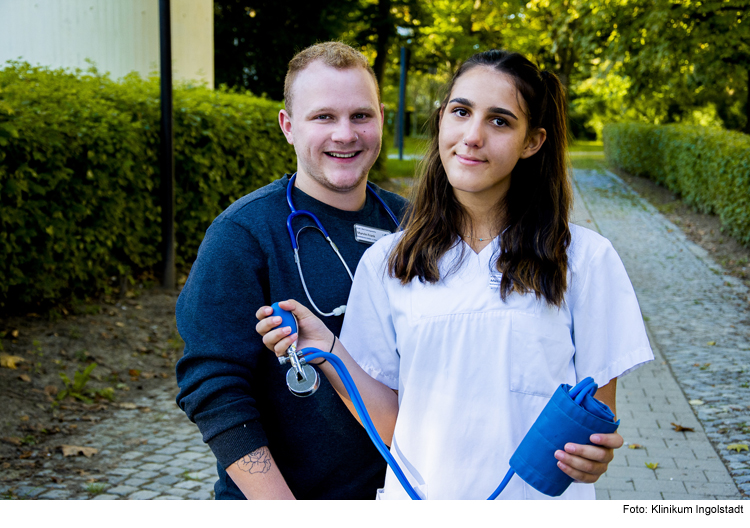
(335,125)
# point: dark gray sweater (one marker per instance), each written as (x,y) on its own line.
(231,386)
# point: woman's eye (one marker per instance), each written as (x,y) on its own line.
(461,112)
(499,121)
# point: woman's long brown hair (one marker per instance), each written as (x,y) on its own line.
(533,247)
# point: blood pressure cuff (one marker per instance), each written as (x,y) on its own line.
(563,420)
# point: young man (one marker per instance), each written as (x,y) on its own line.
(268,442)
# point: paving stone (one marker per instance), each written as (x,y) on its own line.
(169,450)
(187,484)
(29,491)
(179,492)
(143,495)
(131,455)
(106,496)
(168,480)
(158,459)
(55,494)
(200,495)
(123,490)
(146,475)
(135,482)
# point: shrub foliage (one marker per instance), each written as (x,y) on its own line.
(79,176)
(708,167)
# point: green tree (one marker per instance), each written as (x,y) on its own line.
(682,55)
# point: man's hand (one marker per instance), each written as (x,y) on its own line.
(586,463)
(311,330)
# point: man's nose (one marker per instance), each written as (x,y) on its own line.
(344,133)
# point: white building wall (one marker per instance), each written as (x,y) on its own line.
(119,36)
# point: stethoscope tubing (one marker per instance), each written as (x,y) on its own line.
(295,243)
(364,416)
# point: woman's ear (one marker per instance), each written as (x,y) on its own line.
(534,142)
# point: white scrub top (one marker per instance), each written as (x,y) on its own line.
(474,372)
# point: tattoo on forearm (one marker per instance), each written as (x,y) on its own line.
(259,461)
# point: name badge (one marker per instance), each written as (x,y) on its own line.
(367,234)
(495,279)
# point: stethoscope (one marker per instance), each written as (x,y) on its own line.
(295,240)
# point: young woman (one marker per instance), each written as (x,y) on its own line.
(459,329)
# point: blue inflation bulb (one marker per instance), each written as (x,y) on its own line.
(570,416)
(287,318)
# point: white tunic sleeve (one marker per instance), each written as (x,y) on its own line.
(608,331)
(368,333)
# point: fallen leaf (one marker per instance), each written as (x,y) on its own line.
(69,450)
(696,402)
(8,361)
(129,406)
(120,324)
(136,441)
(711,343)
(25,377)
(147,375)
(635,446)
(25,455)
(14,333)
(14,440)
(738,447)
(652,465)
(24,418)
(681,428)
(56,480)
(50,390)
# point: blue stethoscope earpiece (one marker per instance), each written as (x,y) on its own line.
(295,242)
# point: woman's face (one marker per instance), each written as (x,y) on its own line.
(483,133)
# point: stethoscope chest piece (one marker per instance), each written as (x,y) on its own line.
(304,385)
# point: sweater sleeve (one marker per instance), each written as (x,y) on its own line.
(216,319)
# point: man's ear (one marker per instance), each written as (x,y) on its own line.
(534,142)
(382,115)
(285,122)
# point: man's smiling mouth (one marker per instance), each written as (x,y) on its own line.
(341,155)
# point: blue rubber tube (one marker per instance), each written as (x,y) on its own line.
(351,388)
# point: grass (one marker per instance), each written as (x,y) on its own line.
(586,146)
(412,145)
(95,488)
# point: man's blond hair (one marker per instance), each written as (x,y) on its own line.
(334,54)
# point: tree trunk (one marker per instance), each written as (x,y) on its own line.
(384,31)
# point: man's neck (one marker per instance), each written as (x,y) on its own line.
(348,200)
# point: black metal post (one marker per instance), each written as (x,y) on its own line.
(167,148)
(401,105)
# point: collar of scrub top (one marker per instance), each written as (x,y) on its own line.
(295,242)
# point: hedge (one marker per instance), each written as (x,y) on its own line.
(709,168)
(79,176)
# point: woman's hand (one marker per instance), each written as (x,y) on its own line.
(586,463)
(311,330)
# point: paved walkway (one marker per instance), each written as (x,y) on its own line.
(699,380)
(698,330)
